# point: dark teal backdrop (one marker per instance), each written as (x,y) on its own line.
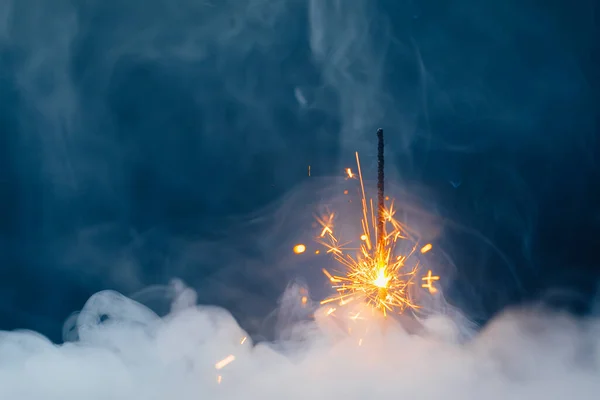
(130,129)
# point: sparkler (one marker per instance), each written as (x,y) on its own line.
(377,272)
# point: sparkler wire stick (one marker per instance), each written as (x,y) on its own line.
(380,192)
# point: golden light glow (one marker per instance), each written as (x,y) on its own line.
(374,272)
(299,248)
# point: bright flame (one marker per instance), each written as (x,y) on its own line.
(375,272)
(382,279)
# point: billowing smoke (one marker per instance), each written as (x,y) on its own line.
(125,351)
(146,140)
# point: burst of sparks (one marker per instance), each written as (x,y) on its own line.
(375,272)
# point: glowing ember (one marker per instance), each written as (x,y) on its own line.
(429,279)
(299,248)
(426,248)
(375,272)
(224,362)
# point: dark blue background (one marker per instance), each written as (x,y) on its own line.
(140,140)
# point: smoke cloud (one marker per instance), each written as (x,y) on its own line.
(125,351)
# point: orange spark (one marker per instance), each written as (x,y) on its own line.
(426,248)
(355,317)
(299,248)
(429,279)
(224,362)
(326,224)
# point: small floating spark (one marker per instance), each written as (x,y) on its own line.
(299,248)
(426,248)
(429,279)
(224,362)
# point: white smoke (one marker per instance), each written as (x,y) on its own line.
(352,61)
(125,351)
